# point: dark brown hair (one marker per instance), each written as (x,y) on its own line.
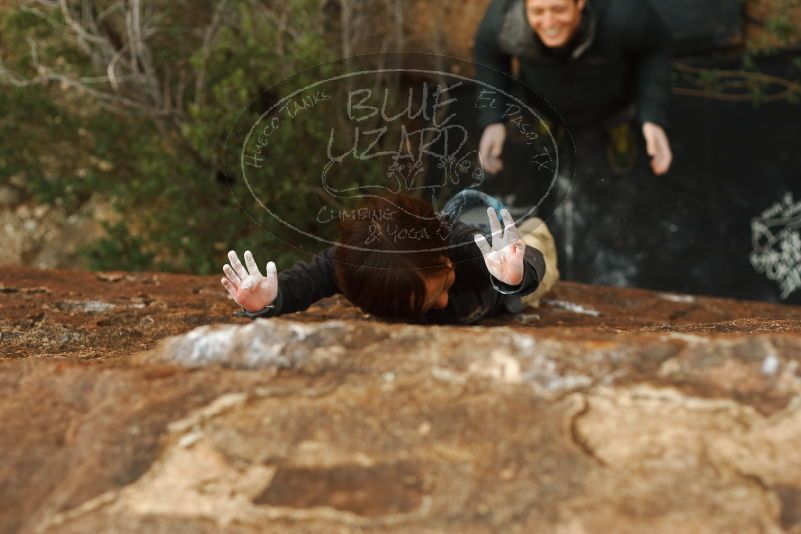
(387,247)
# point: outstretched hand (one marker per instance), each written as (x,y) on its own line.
(504,259)
(248,287)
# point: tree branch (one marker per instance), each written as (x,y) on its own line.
(735,79)
(205,52)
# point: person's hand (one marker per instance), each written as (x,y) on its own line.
(658,147)
(504,259)
(490,147)
(248,287)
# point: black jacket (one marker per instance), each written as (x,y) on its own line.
(474,295)
(618,56)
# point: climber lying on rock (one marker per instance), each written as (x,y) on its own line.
(422,274)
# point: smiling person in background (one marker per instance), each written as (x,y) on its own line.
(597,62)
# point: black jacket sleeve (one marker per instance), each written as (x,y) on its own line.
(648,40)
(493,65)
(301,286)
(534,265)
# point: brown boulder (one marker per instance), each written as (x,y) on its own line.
(604,410)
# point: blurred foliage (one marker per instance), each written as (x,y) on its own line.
(783,28)
(160,163)
(777,34)
(151,143)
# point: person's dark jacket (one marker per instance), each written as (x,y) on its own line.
(619,56)
(475,293)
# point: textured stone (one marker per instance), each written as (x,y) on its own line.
(137,403)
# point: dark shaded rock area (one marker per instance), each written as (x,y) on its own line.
(138,403)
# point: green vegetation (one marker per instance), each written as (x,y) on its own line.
(134,103)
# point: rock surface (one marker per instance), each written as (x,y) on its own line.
(47,236)
(138,403)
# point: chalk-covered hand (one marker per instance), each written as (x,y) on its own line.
(504,259)
(248,287)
